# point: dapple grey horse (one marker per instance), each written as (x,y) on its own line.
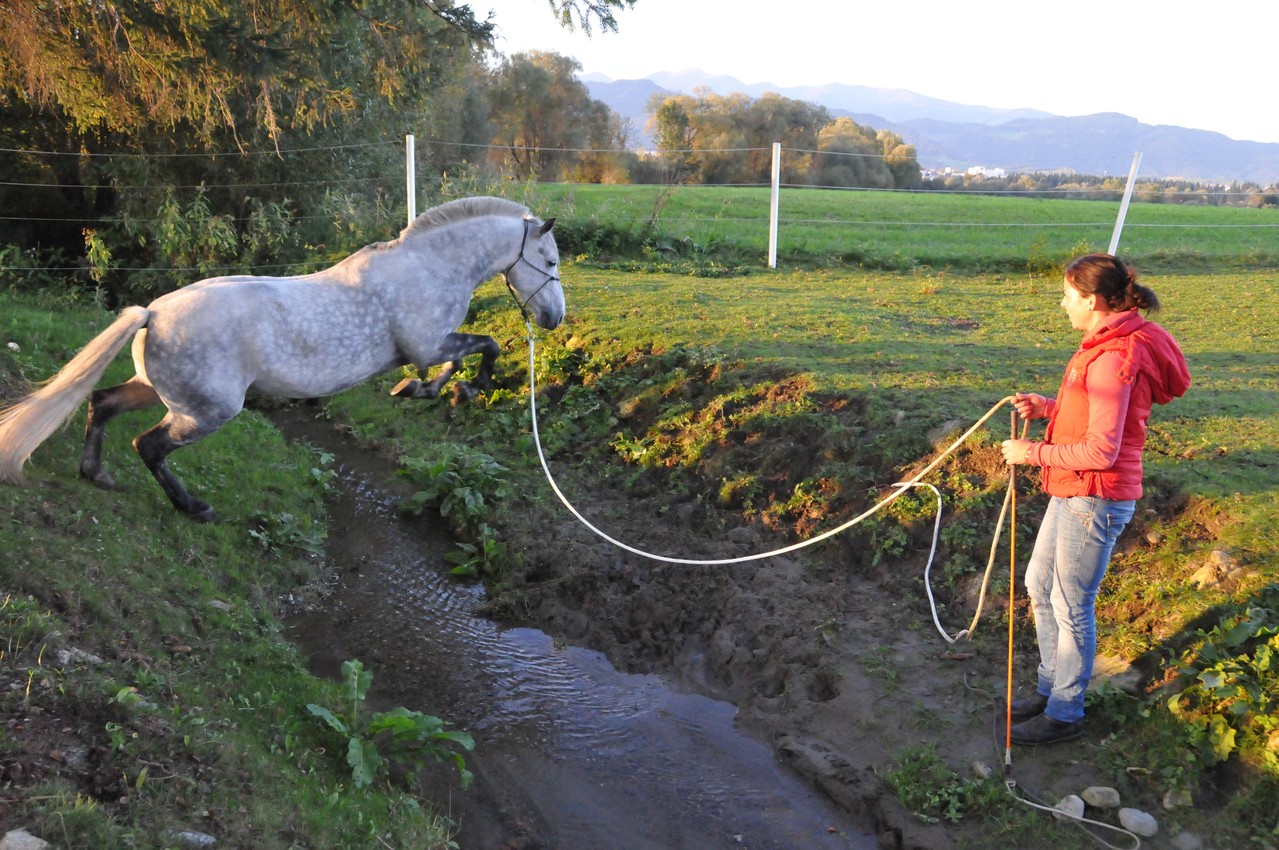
(199,349)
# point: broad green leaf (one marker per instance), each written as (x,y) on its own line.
(366,764)
(357,679)
(328,717)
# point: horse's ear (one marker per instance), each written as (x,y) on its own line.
(546,227)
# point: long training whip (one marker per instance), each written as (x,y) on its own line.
(1010,502)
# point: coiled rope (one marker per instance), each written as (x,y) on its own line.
(1010,500)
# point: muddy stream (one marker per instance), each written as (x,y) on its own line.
(570,753)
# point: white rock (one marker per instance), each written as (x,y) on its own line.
(1070,808)
(1138,822)
(20,839)
(1118,672)
(1187,841)
(1222,558)
(1101,797)
(13,346)
(75,655)
(1209,575)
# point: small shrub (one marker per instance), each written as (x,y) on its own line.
(396,737)
(923,784)
(464,484)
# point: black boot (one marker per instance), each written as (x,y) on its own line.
(1025,708)
(1045,730)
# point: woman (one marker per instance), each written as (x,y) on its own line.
(1091,459)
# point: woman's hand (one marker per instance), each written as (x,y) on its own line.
(1016,451)
(1030,405)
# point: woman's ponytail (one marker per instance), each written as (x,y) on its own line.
(1110,279)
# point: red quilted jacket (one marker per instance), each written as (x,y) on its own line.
(1097,423)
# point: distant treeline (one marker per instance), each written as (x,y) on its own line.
(1087,187)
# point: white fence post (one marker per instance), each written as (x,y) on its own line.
(772,213)
(1123,207)
(410,171)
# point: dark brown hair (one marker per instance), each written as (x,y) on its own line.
(1111,280)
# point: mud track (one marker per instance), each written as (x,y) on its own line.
(837,664)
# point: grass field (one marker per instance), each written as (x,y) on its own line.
(907,231)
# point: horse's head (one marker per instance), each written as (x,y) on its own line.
(534,276)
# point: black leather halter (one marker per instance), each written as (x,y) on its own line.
(521,258)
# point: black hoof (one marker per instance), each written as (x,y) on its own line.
(463,392)
(101,480)
(200,512)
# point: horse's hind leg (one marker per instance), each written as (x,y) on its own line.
(156,445)
(489,350)
(105,405)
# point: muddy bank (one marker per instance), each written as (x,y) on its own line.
(830,657)
(833,659)
(571,752)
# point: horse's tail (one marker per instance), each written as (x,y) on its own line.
(27,424)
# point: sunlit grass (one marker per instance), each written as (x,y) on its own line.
(900,230)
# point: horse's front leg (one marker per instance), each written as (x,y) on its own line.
(456,346)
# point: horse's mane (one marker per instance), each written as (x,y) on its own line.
(462,209)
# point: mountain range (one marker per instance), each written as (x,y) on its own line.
(959,136)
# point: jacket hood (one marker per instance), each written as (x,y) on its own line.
(1148,350)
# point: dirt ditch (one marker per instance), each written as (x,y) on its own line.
(571,752)
(833,664)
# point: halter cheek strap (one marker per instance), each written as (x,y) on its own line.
(507,271)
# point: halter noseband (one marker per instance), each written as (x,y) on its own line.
(507,271)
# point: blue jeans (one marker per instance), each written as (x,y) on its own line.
(1065,571)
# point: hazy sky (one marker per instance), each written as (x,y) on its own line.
(1208,66)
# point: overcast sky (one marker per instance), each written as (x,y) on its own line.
(1208,66)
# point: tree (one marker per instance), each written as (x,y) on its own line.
(243,66)
(795,123)
(586,14)
(674,136)
(850,156)
(544,116)
(900,159)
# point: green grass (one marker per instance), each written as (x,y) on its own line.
(909,231)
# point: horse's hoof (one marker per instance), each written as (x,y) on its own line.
(463,392)
(407,388)
(101,480)
(201,512)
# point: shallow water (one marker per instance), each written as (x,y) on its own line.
(570,753)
